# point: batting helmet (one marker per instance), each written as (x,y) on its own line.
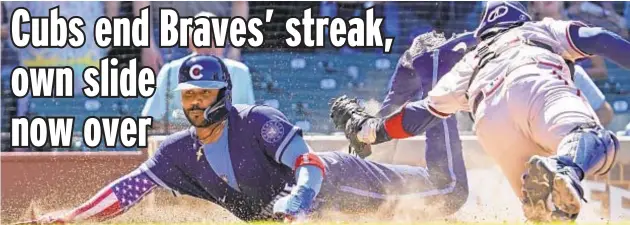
(208,72)
(501,15)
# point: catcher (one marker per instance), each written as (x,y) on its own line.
(529,116)
(251,161)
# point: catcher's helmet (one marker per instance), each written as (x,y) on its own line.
(208,72)
(501,15)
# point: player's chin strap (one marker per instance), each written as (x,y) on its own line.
(219,110)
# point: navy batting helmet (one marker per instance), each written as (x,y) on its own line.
(208,72)
(501,15)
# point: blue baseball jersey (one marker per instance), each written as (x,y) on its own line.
(243,172)
(256,136)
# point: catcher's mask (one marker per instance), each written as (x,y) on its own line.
(207,72)
(501,15)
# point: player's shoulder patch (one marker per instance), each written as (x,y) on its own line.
(270,122)
(272,131)
(265,121)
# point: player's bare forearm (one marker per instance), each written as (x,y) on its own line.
(605,114)
(598,69)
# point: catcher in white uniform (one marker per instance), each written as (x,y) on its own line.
(529,116)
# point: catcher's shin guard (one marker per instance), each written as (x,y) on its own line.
(591,148)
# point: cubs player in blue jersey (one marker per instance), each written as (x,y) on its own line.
(251,161)
(529,115)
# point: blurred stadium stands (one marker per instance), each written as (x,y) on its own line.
(301,81)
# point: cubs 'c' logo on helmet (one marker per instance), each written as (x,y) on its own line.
(195,72)
(501,15)
(207,72)
(203,71)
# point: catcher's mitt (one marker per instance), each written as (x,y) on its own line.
(349,116)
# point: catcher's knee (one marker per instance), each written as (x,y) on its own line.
(590,147)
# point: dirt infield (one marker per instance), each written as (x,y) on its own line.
(491,201)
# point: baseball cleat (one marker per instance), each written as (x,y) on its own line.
(551,191)
(565,195)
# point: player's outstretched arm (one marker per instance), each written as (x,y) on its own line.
(283,142)
(309,174)
(113,200)
(599,41)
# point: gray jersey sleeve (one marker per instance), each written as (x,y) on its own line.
(583,82)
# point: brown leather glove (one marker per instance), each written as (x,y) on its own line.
(349,115)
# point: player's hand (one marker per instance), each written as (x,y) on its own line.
(50,220)
(46,219)
(348,115)
(58,217)
(296,207)
(283,210)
